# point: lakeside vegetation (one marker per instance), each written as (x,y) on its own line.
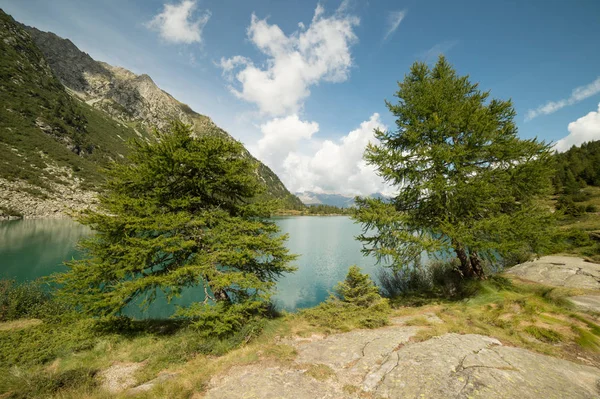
(180,212)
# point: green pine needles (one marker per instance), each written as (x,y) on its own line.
(467,184)
(180,213)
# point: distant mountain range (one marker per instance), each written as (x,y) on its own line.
(64,115)
(339,200)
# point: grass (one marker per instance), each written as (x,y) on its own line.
(517,313)
(581,234)
(62,360)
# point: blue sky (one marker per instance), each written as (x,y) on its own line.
(305,99)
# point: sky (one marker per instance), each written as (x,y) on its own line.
(303,83)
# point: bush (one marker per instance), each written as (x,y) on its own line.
(357,303)
(30,300)
(437,279)
(513,258)
(567,205)
(358,288)
(21,300)
(591,208)
(578,238)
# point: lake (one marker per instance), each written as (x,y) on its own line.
(30,249)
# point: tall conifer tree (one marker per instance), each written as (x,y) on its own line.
(179,213)
(466,182)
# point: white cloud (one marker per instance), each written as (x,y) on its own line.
(282,136)
(578,94)
(327,166)
(584,129)
(176,23)
(394,19)
(295,62)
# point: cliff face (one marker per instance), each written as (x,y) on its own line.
(65,115)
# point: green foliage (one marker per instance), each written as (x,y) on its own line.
(358,288)
(322,209)
(577,167)
(40,123)
(223,319)
(23,384)
(467,183)
(179,213)
(358,304)
(28,300)
(567,205)
(439,280)
(45,342)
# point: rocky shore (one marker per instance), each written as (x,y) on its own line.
(22,200)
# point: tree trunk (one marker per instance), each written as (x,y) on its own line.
(219,294)
(477,266)
(465,264)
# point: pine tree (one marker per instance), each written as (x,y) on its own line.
(358,288)
(179,213)
(467,183)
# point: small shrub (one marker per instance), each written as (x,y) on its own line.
(513,258)
(437,279)
(357,304)
(591,208)
(21,300)
(358,288)
(578,238)
(223,320)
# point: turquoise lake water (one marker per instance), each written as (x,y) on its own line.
(30,249)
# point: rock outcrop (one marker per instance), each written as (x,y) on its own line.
(560,271)
(385,363)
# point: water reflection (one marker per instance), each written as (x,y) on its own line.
(34,248)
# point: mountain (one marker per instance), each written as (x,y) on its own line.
(65,115)
(339,200)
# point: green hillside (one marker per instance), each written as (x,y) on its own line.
(42,126)
(49,137)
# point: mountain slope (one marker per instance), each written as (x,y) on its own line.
(51,145)
(54,139)
(133,99)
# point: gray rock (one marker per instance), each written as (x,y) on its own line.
(475,366)
(562,271)
(385,364)
(587,302)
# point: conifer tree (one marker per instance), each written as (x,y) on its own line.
(467,184)
(179,213)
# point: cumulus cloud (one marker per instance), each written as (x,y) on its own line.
(393,22)
(295,62)
(282,136)
(584,129)
(327,166)
(578,94)
(177,24)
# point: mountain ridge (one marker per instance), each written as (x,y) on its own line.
(54,137)
(132,98)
